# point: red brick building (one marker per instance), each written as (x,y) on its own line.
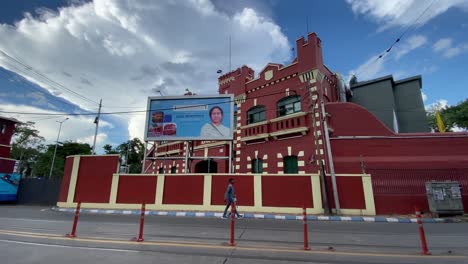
(298,142)
(283,116)
(273,122)
(7,127)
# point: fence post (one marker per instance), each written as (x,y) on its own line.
(306,234)
(422,236)
(142,224)
(231,241)
(75,221)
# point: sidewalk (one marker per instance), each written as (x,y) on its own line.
(380,219)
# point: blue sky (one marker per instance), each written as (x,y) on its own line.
(124,51)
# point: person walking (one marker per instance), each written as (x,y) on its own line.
(230,197)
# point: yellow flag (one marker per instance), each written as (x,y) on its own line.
(440,122)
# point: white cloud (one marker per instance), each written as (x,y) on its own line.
(437,105)
(403,12)
(424,96)
(411,44)
(442,44)
(369,69)
(39,99)
(74,129)
(430,69)
(136,126)
(101,140)
(375,67)
(454,51)
(121,50)
(446,47)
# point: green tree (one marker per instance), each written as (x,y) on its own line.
(457,115)
(133,151)
(453,116)
(108,149)
(26,147)
(42,166)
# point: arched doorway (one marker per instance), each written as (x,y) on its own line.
(206,166)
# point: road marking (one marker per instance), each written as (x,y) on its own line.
(28,233)
(62,221)
(32,220)
(63,246)
(213,246)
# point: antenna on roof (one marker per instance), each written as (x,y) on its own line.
(229,53)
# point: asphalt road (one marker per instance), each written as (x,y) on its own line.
(36,235)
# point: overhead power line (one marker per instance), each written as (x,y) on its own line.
(8,75)
(48,80)
(382,55)
(147,110)
(126,112)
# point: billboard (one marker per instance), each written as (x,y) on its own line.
(9,186)
(190,118)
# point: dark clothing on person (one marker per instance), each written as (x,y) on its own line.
(230,197)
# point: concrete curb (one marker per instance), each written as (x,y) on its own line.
(370,219)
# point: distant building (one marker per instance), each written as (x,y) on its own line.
(398,104)
(7,127)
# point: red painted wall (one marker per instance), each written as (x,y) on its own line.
(5,138)
(137,189)
(66,179)
(397,191)
(350,192)
(183,189)
(417,156)
(349,119)
(5,152)
(403,152)
(271,148)
(287,191)
(95,178)
(243,187)
(7,166)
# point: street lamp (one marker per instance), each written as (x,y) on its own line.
(56,144)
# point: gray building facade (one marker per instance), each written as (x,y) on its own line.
(398,104)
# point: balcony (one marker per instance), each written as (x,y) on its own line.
(255,131)
(281,127)
(289,125)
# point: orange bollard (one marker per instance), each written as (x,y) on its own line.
(142,224)
(231,241)
(422,236)
(75,221)
(306,234)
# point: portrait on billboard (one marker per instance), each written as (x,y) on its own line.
(215,128)
(190,118)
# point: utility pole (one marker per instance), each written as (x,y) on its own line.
(319,157)
(55,150)
(96,121)
(331,166)
(229,53)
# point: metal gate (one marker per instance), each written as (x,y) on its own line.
(397,191)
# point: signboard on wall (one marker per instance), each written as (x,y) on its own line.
(190,118)
(9,186)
